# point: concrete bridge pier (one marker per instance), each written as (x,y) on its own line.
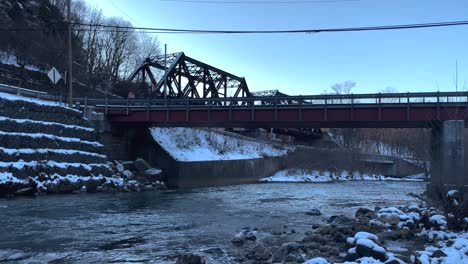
(448,158)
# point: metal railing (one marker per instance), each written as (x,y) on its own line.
(438,99)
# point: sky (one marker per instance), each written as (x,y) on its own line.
(412,60)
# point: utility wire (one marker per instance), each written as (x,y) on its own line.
(110,1)
(259,2)
(116,28)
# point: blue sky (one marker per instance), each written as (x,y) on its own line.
(408,60)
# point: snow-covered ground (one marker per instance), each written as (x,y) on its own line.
(43,151)
(13,97)
(19,120)
(299,175)
(49,136)
(190,144)
(10,59)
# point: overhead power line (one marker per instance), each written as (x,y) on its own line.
(259,2)
(347,29)
(113,28)
(123,12)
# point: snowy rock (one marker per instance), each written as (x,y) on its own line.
(391,215)
(120,167)
(368,248)
(243,236)
(128,174)
(141,165)
(438,221)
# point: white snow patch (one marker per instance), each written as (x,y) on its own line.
(43,151)
(10,59)
(2,118)
(6,177)
(316,261)
(64,165)
(298,175)
(41,135)
(438,219)
(12,97)
(457,252)
(189,144)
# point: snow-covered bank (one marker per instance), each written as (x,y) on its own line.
(12,97)
(299,175)
(409,234)
(190,144)
(30,121)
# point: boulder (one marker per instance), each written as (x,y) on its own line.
(367,248)
(365,212)
(314,212)
(66,186)
(141,165)
(291,247)
(189,258)
(259,252)
(92,185)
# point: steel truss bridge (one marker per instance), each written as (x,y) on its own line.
(394,110)
(186,77)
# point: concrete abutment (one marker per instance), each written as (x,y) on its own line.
(448,157)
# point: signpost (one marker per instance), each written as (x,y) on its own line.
(54,75)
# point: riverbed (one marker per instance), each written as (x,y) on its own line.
(157,226)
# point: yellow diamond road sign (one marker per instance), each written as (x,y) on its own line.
(54,75)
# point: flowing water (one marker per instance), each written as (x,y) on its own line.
(156,226)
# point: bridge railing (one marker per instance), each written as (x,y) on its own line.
(301,101)
(453,98)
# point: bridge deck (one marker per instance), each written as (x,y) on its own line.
(177,113)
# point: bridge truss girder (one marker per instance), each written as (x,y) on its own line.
(189,78)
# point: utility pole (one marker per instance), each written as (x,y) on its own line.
(70,59)
(165,71)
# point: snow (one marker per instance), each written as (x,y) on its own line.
(12,97)
(451,193)
(389,212)
(370,244)
(64,165)
(455,246)
(41,135)
(43,151)
(6,177)
(366,235)
(10,59)
(317,261)
(439,219)
(190,144)
(2,118)
(299,175)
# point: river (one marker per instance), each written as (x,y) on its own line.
(156,226)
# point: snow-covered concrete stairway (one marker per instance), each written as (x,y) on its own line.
(41,139)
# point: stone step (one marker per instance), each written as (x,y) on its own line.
(58,155)
(15,140)
(41,112)
(23,170)
(32,126)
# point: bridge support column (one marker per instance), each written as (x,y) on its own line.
(448,157)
